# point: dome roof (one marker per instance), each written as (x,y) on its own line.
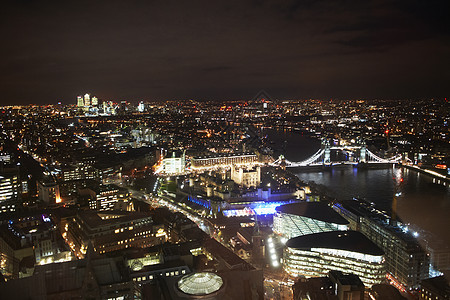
(200,283)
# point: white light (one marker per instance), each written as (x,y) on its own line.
(274,256)
(415,234)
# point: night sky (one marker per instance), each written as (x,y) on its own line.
(164,50)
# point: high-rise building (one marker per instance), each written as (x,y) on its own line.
(141,106)
(87,100)
(94,101)
(406,262)
(80,101)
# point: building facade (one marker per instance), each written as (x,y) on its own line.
(174,164)
(221,161)
(406,261)
(314,255)
(247,177)
(112,230)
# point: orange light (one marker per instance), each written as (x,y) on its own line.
(441,166)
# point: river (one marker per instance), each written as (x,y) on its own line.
(422,203)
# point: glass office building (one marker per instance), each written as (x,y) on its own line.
(314,255)
(297,219)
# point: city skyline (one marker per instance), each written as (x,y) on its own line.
(219,51)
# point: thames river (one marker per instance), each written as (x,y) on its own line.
(422,203)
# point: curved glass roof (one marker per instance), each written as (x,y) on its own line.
(200,283)
(314,210)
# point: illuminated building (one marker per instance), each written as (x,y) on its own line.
(49,192)
(87,100)
(246,177)
(225,160)
(406,261)
(234,278)
(80,101)
(108,197)
(110,231)
(94,101)
(314,255)
(296,219)
(174,164)
(141,106)
(9,191)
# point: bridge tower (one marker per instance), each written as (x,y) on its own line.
(362,153)
(282,162)
(327,153)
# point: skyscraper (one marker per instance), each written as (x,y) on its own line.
(87,100)
(94,101)
(80,101)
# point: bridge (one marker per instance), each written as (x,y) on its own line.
(323,157)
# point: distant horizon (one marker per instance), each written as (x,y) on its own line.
(223,50)
(236,99)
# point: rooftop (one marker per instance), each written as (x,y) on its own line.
(200,283)
(314,210)
(341,240)
(94,219)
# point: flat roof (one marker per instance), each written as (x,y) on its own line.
(340,240)
(94,218)
(314,210)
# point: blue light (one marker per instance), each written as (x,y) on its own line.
(267,208)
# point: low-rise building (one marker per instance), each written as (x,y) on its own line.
(246,177)
(112,230)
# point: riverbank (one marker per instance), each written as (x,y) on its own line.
(437,177)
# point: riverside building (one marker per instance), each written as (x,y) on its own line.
(406,262)
(297,219)
(226,161)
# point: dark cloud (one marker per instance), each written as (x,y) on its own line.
(53,50)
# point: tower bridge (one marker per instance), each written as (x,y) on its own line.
(359,154)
